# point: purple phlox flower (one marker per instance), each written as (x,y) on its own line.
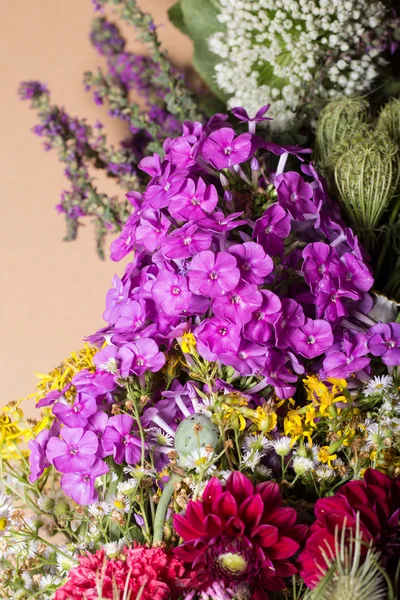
(290,317)
(294,194)
(238,305)
(296,364)
(330,300)
(185,398)
(98,423)
(186,242)
(171,293)
(384,341)
(77,414)
(194,201)
(272,229)
(106,360)
(74,452)
(320,260)
(212,274)
(121,441)
(37,458)
(182,151)
(163,188)
(260,328)
(278,375)
(312,339)
(248,359)
(215,122)
(122,245)
(164,415)
(192,129)
(222,149)
(118,294)
(278,149)
(96,384)
(151,165)
(152,229)
(357,275)
(242,115)
(218,335)
(132,317)
(81,486)
(347,357)
(254,264)
(52,397)
(219,223)
(139,357)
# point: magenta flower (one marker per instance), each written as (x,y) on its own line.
(77,414)
(98,423)
(152,229)
(163,188)
(242,115)
(194,201)
(294,195)
(356,274)
(37,458)
(120,440)
(74,452)
(106,360)
(186,242)
(125,242)
(330,300)
(132,317)
(272,229)
(212,274)
(248,359)
(290,317)
(320,260)
(171,293)
(218,222)
(384,341)
(81,486)
(260,328)
(278,375)
(347,357)
(222,149)
(238,305)
(139,357)
(117,296)
(312,339)
(219,335)
(253,262)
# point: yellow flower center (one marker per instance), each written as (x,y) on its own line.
(234,563)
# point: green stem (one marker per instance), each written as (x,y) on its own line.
(162,508)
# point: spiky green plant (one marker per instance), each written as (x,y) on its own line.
(366,178)
(349,575)
(336,127)
(389,120)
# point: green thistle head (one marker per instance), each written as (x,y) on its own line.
(337,125)
(366,177)
(389,120)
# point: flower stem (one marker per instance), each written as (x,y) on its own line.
(162,508)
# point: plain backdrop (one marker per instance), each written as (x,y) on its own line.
(52,293)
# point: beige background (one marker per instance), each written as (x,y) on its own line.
(52,293)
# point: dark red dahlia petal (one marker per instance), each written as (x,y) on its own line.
(240,486)
(270,493)
(265,535)
(212,525)
(280,517)
(298,532)
(225,505)
(234,527)
(374,477)
(284,568)
(326,506)
(185,529)
(285,547)
(212,490)
(194,514)
(251,511)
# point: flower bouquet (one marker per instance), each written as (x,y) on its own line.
(233,431)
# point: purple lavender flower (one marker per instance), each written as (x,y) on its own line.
(117,295)
(356,274)
(171,293)
(194,201)
(223,149)
(272,229)
(74,452)
(218,222)
(77,414)
(152,229)
(253,262)
(212,274)
(120,440)
(260,328)
(330,300)
(238,305)
(139,357)
(37,458)
(347,357)
(312,339)
(81,486)
(106,360)
(384,341)
(186,242)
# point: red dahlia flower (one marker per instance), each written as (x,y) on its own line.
(151,571)
(377,500)
(239,533)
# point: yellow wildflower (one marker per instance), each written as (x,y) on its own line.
(188,343)
(264,418)
(294,428)
(338,385)
(325,457)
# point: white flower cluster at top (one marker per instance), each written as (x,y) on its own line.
(285,43)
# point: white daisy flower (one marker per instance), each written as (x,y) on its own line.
(161,438)
(374,435)
(308,451)
(99,509)
(127,488)
(250,460)
(302,465)
(199,460)
(378,385)
(256,442)
(324,472)
(118,502)
(65,561)
(282,445)
(263,472)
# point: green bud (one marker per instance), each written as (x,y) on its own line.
(336,126)
(389,120)
(61,508)
(366,177)
(48,505)
(196,431)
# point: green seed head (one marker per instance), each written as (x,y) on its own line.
(195,432)
(389,120)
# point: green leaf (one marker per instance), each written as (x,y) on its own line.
(201,22)
(175,15)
